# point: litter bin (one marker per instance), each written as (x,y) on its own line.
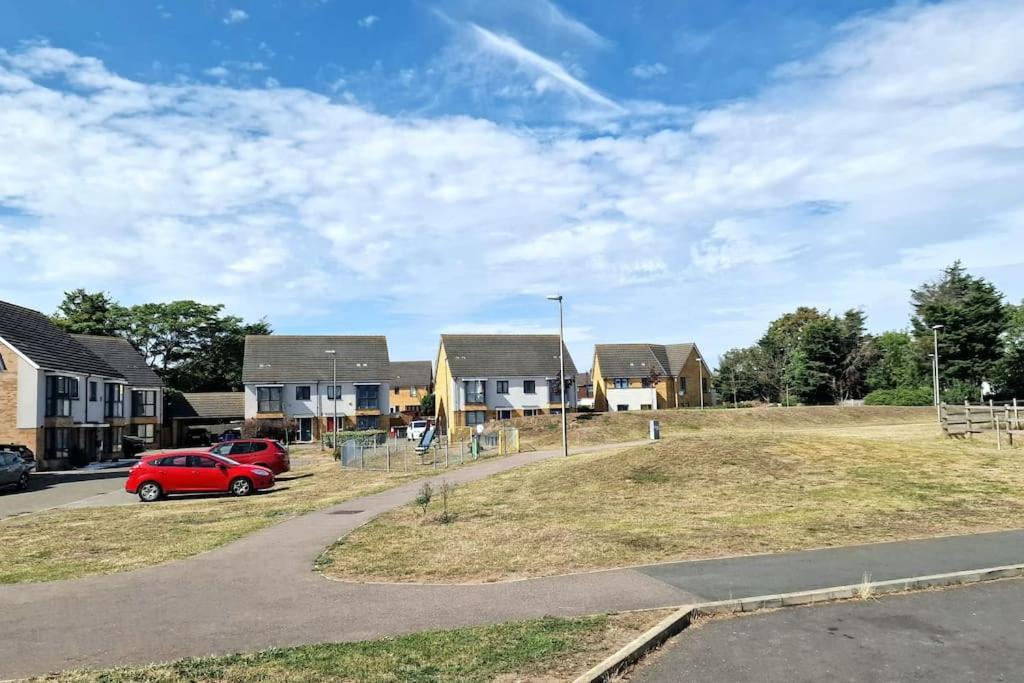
(655,430)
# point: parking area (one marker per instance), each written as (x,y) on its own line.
(54,489)
(959,634)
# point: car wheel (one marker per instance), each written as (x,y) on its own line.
(241,487)
(23,481)
(150,491)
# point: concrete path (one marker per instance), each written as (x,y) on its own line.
(261,591)
(971,633)
(54,489)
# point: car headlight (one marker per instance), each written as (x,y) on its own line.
(262,472)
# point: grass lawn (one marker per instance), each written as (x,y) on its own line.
(539,650)
(706,492)
(70,543)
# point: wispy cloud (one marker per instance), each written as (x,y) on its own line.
(368,21)
(648,71)
(549,74)
(235,16)
(554,16)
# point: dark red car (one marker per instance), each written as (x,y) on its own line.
(194,472)
(263,452)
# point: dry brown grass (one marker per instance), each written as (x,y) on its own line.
(703,493)
(70,543)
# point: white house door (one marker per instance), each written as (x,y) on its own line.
(305,429)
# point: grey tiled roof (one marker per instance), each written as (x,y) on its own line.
(677,355)
(301,358)
(411,373)
(122,357)
(631,360)
(51,348)
(505,355)
(212,404)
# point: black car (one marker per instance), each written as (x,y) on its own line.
(14,470)
(131,446)
(24,451)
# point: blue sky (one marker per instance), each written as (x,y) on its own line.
(679,170)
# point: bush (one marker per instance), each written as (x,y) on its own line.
(905,396)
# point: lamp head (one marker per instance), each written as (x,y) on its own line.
(331,351)
(938,327)
(554,297)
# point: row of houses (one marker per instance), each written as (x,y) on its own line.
(73,398)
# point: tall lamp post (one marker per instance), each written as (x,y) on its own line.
(334,392)
(700,377)
(561,372)
(935,371)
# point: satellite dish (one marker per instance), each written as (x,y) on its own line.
(479,429)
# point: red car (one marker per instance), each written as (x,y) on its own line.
(158,475)
(262,452)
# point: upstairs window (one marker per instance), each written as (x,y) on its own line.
(114,403)
(501,386)
(529,386)
(58,395)
(302,393)
(143,404)
(367,397)
(554,390)
(334,391)
(476,391)
(268,399)
(621,383)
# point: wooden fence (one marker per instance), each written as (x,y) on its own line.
(1005,419)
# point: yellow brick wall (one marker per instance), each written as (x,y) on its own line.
(600,387)
(443,413)
(9,430)
(692,371)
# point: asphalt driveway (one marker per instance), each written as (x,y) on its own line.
(972,633)
(55,489)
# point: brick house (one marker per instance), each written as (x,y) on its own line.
(484,377)
(411,380)
(289,380)
(56,396)
(649,377)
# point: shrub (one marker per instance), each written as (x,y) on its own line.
(905,396)
(424,496)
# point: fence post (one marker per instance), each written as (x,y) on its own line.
(967,417)
(1016,417)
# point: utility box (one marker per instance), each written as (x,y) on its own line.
(655,430)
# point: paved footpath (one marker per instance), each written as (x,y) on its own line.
(261,591)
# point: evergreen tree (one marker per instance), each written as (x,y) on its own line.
(83,312)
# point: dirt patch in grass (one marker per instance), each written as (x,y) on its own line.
(547,649)
(706,493)
(70,543)
(586,429)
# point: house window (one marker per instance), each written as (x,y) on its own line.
(504,415)
(302,393)
(73,388)
(144,432)
(475,417)
(413,391)
(529,386)
(367,422)
(143,404)
(476,391)
(531,412)
(554,390)
(621,383)
(58,395)
(268,399)
(93,391)
(55,442)
(3,364)
(645,382)
(501,386)
(114,394)
(396,391)
(367,396)
(645,406)
(333,391)
(682,386)
(621,407)
(116,436)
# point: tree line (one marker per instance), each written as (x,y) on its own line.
(191,345)
(815,357)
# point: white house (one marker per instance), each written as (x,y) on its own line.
(290,381)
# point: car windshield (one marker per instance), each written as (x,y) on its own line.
(226,461)
(419,424)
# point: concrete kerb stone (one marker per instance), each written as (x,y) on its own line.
(679,620)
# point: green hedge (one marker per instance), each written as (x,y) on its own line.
(906,396)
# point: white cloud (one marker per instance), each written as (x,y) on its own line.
(647,71)
(552,15)
(368,21)
(843,184)
(217,71)
(235,16)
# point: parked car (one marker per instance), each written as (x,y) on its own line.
(416,430)
(21,449)
(156,476)
(14,470)
(262,452)
(132,446)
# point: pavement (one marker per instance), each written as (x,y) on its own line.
(971,633)
(261,591)
(55,489)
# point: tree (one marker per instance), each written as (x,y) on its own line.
(741,372)
(1011,376)
(899,363)
(974,317)
(427,404)
(83,312)
(828,356)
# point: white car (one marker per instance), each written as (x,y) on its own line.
(417,428)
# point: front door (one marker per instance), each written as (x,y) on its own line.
(305,429)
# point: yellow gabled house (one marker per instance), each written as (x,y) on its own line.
(649,377)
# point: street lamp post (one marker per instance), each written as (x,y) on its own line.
(334,391)
(935,371)
(700,377)
(561,372)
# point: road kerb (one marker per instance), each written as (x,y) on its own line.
(679,620)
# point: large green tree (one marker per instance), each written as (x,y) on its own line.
(742,373)
(974,318)
(1011,379)
(899,363)
(83,312)
(830,358)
